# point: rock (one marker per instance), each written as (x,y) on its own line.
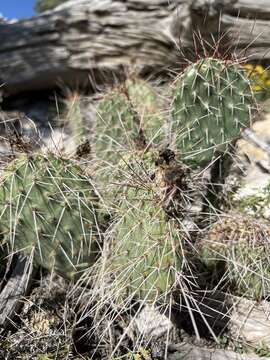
(253,193)
(151,324)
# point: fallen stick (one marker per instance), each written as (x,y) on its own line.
(15,289)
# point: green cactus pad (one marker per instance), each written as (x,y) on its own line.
(136,166)
(128,119)
(49,209)
(212,102)
(238,249)
(145,253)
(149,105)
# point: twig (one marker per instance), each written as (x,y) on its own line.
(15,289)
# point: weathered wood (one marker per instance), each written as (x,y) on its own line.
(259,9)
(15,288)
(69,44)
(65,44)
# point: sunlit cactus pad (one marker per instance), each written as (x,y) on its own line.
(212,102)
(239,249)
(49,209)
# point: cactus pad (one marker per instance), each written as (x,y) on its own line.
(145,251)
(49,209)
(127,117)
(212,102)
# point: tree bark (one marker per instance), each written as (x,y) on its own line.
(88,41)
(68,45)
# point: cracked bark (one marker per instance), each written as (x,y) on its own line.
(95,39)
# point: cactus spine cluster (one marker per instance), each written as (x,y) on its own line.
(49,210)
(212,102)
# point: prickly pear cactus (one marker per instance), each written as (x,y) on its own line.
(236,251)
(150,107)
(49,210)
(154,169)
(146,244)
(75,119)
(128,119)
(145,253)
(212,102)
(135,166)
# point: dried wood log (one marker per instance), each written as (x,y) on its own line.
(259,9)
(15,288)
(69,44)
(64,45)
